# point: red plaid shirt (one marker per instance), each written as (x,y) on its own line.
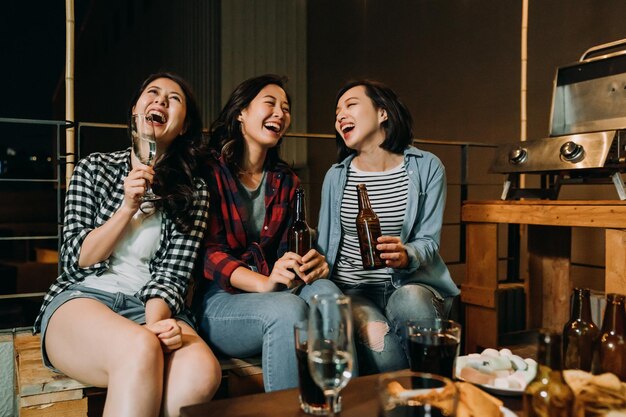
(227,246)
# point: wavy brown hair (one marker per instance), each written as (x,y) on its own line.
(226,137)
(176,169)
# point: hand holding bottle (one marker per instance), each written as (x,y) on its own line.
(393,252)
(313,266)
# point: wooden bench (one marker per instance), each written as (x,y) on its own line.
(41,392)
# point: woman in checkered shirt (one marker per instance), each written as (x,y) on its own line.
(116,316)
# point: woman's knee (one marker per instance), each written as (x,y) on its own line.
(285,307)
(143,351)
(203,374)
(325,286)
(371,326)
(414,301)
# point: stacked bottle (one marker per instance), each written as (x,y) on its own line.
(610,347)
(579,333)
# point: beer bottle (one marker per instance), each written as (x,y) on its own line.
(579,333)
(368,230)
(548,395)
(610,346)
(299,232)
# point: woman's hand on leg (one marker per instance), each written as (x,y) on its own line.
(169,333)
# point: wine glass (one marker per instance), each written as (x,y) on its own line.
(329,345)
(144,146)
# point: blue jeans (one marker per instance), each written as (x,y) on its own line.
(249,324)
(380,316)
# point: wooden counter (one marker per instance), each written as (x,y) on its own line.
(549,257)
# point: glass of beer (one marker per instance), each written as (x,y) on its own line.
(312,398)
(433,345)
(415,394)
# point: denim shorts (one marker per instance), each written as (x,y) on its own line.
(127,306)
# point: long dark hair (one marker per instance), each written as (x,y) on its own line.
(176,169)
(398,126)
(226,137)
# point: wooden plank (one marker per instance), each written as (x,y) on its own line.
(547,212)
(482,255)
(549,286)
(228,364)
(33,377)
(479,296)
(615,261)
(482,323)
(52,397)
(75,408)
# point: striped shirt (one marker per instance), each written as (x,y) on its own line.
(388,193)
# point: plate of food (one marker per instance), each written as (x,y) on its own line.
(499,372)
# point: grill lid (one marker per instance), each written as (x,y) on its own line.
(590,95)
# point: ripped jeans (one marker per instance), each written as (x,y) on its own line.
(380,314)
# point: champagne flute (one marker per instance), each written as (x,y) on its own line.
(144,146)
(329,345)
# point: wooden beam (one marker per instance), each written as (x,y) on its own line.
(557,213)
(615,261)
(549,288)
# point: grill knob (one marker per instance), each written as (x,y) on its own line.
(572,152)
(518,155)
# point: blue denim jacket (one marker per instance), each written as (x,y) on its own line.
(421,230)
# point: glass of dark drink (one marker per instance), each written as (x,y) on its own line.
(433,345)
(416,394)
(312,398)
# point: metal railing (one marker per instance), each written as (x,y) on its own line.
(464,182)
(57,181)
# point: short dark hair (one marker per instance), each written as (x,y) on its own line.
(398,126)
(175,171)
(226,138)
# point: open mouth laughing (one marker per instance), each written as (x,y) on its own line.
(273,126)
(157,116)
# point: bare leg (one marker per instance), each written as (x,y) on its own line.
(89,342)
(192,373)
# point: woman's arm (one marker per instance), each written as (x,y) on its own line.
(100,242)
(425,236)
(173,263)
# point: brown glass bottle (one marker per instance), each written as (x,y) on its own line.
(548,395)
(611,346)
(579,333)
(299,232)
(368,230)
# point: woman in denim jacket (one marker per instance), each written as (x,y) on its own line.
(407,190)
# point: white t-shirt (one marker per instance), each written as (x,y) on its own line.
(128,264)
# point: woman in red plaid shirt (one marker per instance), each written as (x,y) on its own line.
(255,290)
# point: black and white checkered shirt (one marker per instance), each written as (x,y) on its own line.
(95,193)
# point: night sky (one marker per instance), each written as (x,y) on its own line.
(32,46)
(32,39)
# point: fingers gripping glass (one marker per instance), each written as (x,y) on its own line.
(144,146)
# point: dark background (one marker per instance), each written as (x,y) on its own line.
(456,64)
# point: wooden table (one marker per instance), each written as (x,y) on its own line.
(548,286)
(359,400)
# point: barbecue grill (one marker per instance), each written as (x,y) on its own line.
(587,142)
